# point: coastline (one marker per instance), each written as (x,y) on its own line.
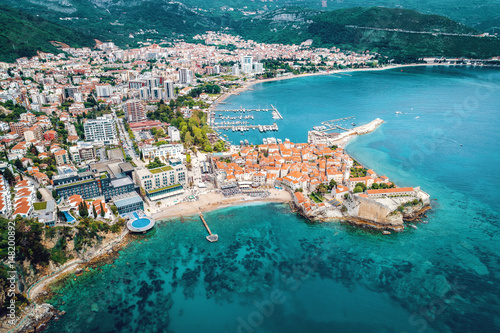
(207,202)
(247,85)
(30,315)
(213,201)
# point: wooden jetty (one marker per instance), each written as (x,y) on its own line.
(211,237)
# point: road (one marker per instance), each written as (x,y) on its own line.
(127,142)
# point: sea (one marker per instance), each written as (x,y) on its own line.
(273,271)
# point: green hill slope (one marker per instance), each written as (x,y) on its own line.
(22,35)
(360,29)
(417,34)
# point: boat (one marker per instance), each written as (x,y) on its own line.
(385,232)
(246,142)
(264,141)
(398,112)
(241,142)
(413,226)
(417,117)
(353,124)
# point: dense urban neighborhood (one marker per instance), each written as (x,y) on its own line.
(114,129)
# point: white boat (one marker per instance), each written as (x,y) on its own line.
(398,112)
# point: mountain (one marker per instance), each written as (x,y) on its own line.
(479,14)
(417,34)
(118,19)
(127,21)
(22,35)
(397,33)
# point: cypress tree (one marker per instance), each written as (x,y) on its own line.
(102,210)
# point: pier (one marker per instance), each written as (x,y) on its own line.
(211,237)
(329,125)
(240,122)
(244,127)
(275,112)
(242,109)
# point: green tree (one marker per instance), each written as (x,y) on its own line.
(332,184)
(38,195)
(102,210)
(322,188)
(9,176)
(18,164)
(83,210)
(94,211)
(362,185)
(358,189)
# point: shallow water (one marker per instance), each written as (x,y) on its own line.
(272,271)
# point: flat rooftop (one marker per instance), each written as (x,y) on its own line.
(161,169)
(128,200)
(118,182)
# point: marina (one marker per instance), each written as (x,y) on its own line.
(330,125)
(243,127)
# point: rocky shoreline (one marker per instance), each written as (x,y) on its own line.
(410,215)
(38,314)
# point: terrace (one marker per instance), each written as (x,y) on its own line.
(161,169)
(76,183)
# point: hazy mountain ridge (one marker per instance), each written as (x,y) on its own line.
(348,28)
(23,35)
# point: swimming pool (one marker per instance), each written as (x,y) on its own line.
(69,217)
(135,215)
(141,223)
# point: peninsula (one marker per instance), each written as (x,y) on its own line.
(103,142)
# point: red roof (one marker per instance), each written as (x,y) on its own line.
(391,190)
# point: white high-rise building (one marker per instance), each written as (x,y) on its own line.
(247,64)
(236,70)
(258,68)
(174,133)
(102,129)
(185,75)
(169,90)
(103,90)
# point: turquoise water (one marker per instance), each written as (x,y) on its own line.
(69,217)
(272,271)
(140,223)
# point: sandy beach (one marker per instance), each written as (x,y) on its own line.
(248,84)
(212,201)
